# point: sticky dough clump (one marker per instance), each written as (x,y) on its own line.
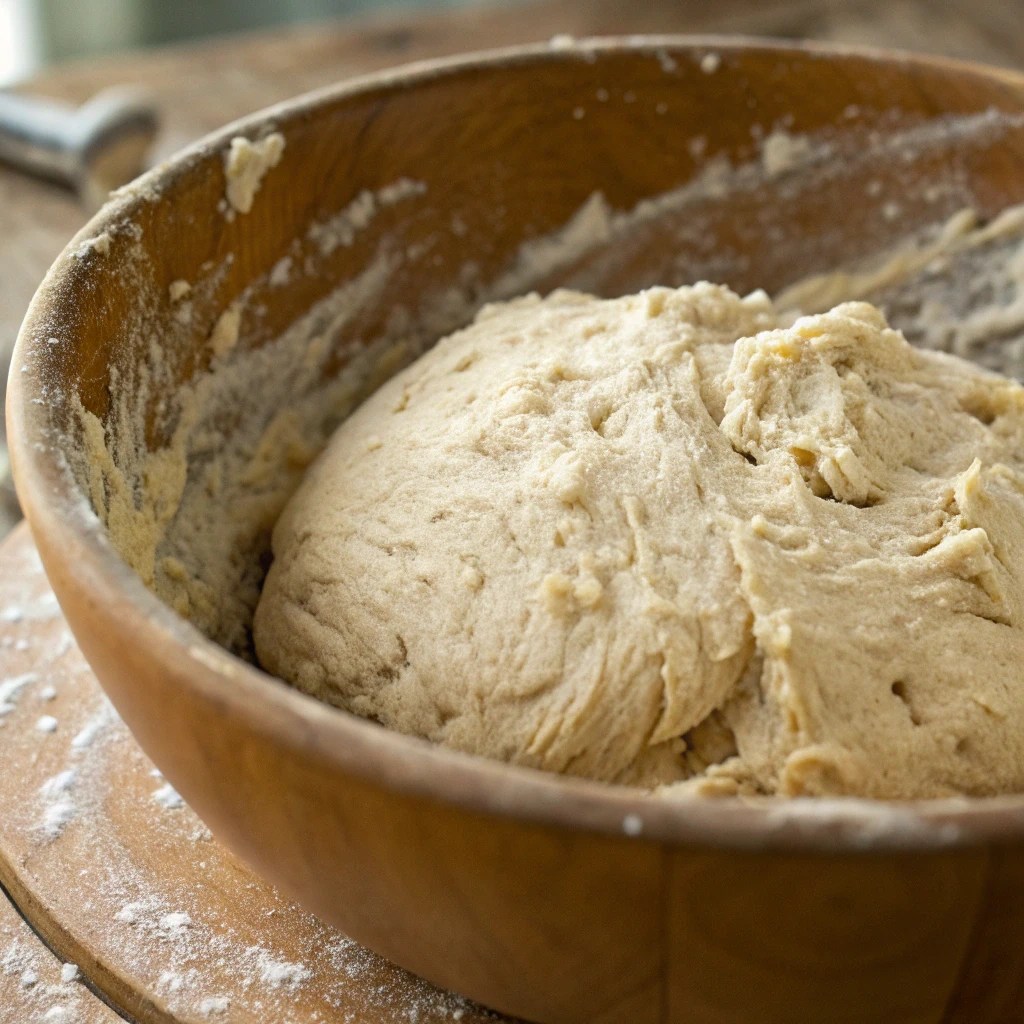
(663,540)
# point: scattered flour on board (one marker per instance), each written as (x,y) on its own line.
(167,796)
(47,994)
(95,727)
(169,981)
(214,1005)
(58,806)
(11,688)
(175,923)
(42,610)
(57,816)
(63,796)
(62,646)
(277,972)
(177,934)
(59,784)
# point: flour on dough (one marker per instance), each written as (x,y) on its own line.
(661,540)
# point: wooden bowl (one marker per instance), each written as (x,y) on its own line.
(550,898)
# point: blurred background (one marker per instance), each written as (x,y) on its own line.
(34,33)
(37,32)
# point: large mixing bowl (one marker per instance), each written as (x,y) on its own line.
(550,898)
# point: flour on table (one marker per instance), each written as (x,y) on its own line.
(175,923)
(341,229)
(174,934)
(276,972)
(46,993)
(10,689)
(162,505)
(167,796)
(58,804)
(214,1005)
(95,727)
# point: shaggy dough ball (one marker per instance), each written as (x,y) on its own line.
(662,539)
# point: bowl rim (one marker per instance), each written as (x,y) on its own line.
(57,509)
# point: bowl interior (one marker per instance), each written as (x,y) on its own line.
(186,360)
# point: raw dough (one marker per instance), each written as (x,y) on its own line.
(246,164)
(660,539)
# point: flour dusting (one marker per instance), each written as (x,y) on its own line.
(277,972)
(342,228)
(165,461)
(11,688)
(202,937)
(95,727)
(167,796)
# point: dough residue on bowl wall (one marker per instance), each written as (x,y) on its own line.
(164,503)
(245,165)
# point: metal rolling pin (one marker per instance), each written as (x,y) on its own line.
(92,149)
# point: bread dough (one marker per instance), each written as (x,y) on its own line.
(663,540)
(245,166)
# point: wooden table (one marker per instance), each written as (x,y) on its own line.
(202,87)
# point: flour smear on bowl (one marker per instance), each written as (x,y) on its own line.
(163,505)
